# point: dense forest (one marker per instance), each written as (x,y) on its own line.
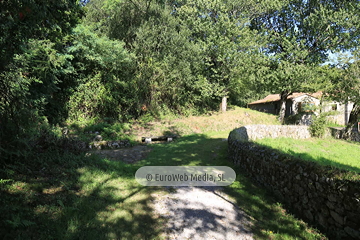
(85,61)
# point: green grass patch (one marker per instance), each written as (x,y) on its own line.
(66,196)
(330,152)
(271,220)
(78,197)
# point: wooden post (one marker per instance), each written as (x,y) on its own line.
(223,104)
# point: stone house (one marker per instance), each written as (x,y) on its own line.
(304,104)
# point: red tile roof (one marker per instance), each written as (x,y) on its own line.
(276,97)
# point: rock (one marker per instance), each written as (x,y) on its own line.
(325,211)
(319,187)
(339,219)
(339,209)
(98,138)
(305,200)
(355,217)
(332,198)
(351,224)
(352,232)
(99,145)
(330,205)
(322,221)
(309,215)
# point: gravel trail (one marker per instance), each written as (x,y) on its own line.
(202,213)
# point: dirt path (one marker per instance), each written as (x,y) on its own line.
(191,212)
(128,155)
(202,213)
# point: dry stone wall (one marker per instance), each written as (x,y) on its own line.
(313,192)
(338,133)
(253,132)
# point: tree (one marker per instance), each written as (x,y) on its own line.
(37,19)
(27,25)
(103,69)
(229,47)
(346,86)
(120,19)
(168,76)
(300,34)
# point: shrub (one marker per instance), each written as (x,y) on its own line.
(318,125)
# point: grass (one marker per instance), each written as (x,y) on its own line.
(64,196)
(271,219)
(211,123)
(79,198)
(331,152)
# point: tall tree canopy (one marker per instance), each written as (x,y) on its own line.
(229,47)
(37,19)
(300,34)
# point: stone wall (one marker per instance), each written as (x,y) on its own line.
(338,133)
(253,132)
(317,194)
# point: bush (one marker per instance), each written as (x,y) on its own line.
(293,119)
(318,125)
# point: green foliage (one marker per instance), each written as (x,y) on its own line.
(30,67)
(103,68)
(24,19)
(148,58)
(168,74)
(293,119)
(229,49)
(346,80)
(318,125)
(300,35)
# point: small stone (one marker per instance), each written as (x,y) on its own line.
(339,219)
(332,198)
(98,138)
(330,205)
(309,215)
(352,232)
(340,209)
(325,211)
(318,186)
(344,188)
(322,221)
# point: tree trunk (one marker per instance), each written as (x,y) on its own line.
(283,98)
(352,120)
